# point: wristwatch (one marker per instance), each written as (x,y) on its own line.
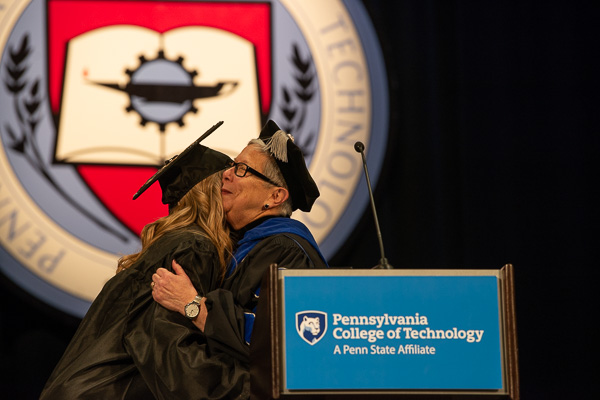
(192,309)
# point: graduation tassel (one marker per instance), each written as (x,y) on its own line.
(278,145)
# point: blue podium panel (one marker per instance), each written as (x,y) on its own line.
(365,331)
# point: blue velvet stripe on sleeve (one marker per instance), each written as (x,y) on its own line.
(249,325)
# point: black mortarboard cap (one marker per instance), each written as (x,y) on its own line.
(184,171)
(290,160)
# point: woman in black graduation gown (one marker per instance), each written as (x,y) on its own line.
(128,346)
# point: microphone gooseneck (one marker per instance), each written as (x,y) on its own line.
(383,263)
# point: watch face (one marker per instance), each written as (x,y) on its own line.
(192,310)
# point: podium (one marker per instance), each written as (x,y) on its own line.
(385,334)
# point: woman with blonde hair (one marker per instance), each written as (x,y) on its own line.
(128,346)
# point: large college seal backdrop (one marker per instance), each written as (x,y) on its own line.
(89,113)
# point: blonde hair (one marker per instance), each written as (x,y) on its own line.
(201,206)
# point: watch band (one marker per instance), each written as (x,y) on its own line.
(197,299)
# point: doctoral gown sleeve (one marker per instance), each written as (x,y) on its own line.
(171,353)
(231,308)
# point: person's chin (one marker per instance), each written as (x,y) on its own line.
(226,199)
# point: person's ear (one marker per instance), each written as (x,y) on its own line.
(279,196)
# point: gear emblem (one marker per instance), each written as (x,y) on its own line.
(162,91)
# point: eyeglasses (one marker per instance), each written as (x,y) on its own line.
(241,169)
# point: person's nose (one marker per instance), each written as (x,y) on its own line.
(228,174)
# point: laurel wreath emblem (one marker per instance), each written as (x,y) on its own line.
(26,103)
(296,99)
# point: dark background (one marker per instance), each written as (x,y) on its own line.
(491,160)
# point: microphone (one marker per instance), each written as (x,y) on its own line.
(383,263)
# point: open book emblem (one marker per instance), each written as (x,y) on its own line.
(155,93)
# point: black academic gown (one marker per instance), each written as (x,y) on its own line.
(225,327)
(130,347)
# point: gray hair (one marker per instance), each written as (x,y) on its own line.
(271,170)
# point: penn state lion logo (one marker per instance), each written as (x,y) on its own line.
(308,325)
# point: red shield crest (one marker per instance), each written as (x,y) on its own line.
(86,36)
